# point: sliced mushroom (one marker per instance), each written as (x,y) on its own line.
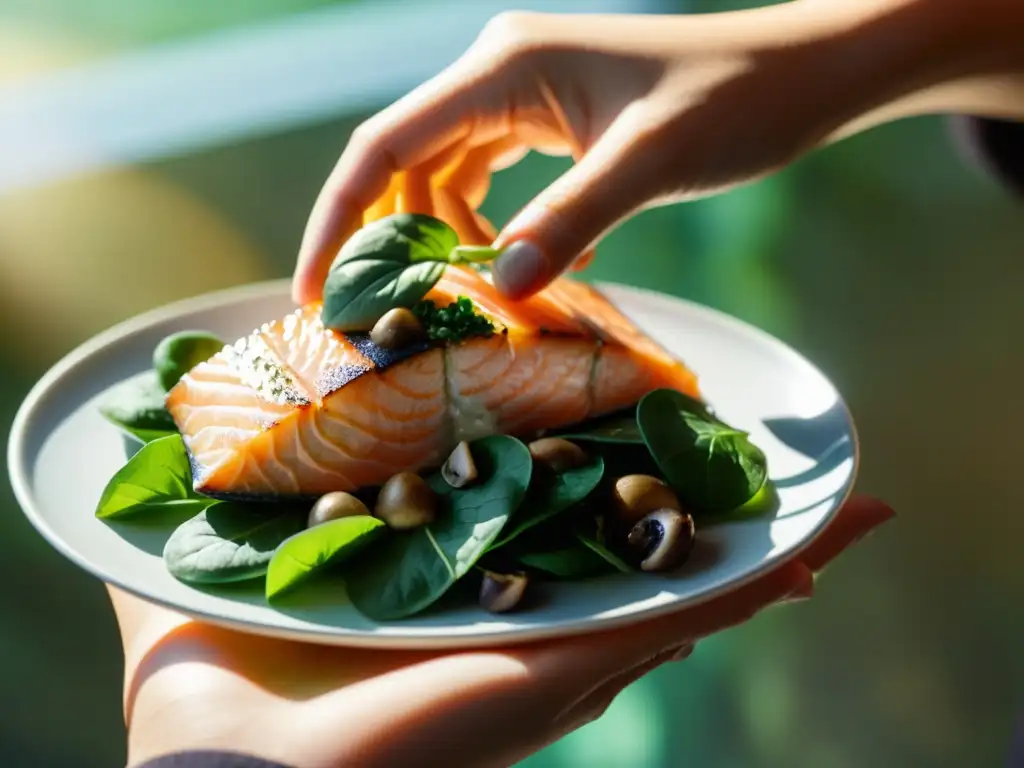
(460,469)
(398,328)
(557,454)
(634,496)
(332,506)
(406,501)
(501,592)
(663,539)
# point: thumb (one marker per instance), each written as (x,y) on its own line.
(614,179)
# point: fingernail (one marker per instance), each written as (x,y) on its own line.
(682,654)
(803,592)
(519,268)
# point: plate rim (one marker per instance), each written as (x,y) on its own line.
(18,472)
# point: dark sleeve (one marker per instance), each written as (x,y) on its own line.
(210,760)
(997,146)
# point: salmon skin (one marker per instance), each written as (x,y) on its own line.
(296,409)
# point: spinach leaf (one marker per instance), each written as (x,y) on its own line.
(577,562)
(391,262)
(412,570)
(229,542)
(618,427)
(603,552)
(319,547)
(136,406)
(713,467)
(179,353)
(551,494)
(157,477)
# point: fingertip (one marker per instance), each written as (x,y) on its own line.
(304,291)
(521,270)
(869,511)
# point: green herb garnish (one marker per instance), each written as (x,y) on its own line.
(392,262)
(455,322)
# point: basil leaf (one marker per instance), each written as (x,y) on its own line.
(569,563)
(318,548)
(550,494)
(603,552)
(411,570)
(229,542)
(136,406)
(179,353)
(615,428)
(713,467)
(391,262)
(157,477)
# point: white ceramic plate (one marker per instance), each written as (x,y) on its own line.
(62,453)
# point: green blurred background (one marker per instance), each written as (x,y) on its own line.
(885,259)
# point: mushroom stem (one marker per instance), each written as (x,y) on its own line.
(460,469)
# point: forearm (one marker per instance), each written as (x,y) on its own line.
(890,59)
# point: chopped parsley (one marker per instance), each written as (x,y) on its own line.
(458,321)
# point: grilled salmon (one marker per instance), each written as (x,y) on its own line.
(295,408)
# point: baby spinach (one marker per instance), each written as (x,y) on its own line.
(577,562)
(158,477)
(713,467)
(229,541)
(391,262)
(411,570)
(551,494)
(600,549)
(618,427)
(180,352)
(317,548)
(137,407)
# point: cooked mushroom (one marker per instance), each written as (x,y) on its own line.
(398,328)
(501,592)
(406,501)
(634,496)
(663,539)
(557,454)
(332,506)
(460,469)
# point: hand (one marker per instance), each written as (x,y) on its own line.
(654,109)
(189,685)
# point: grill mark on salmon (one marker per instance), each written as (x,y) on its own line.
(296,410)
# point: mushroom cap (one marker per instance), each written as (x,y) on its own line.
(635,496)
(334,505)
(557,454)
(501,592)
(406,501)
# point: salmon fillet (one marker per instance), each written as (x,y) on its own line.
(297,409)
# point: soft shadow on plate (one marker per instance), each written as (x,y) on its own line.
(824,439)
(151,531)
